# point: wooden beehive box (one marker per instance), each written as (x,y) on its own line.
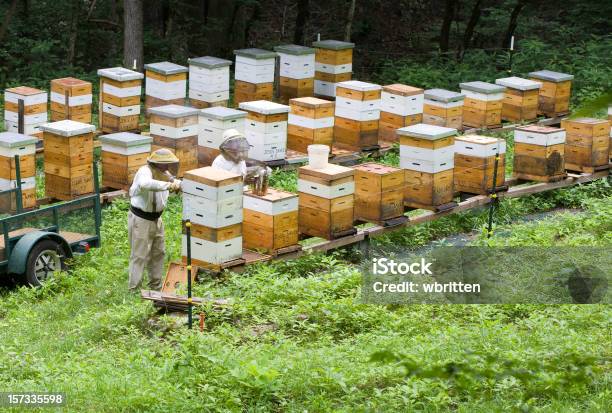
(311,122)
(379,192)
(11,145)
(209,82)
(400,106)
(333,64)
(166,84)
(555,93)
(427,156)
(212,203)
(254,75)
(520,99)
(587,144)
(475,164)
(443,108)
(25,110)
(357,115)
(68,159)
(266,129)
(539,153)
(482,105)
(214,122)
(297,71)
(176,128)
(270,221)
(123,153)
(120,91)
(326,201)
(71,99)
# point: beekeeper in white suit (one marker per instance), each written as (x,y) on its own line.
(148,198)
(234,154)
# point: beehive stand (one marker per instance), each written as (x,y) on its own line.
(166,84)
(443,108)
(25,110)
(176,128)
(311,122)
(214,121)
(539,153)
(123,153)
(587,144)
(482,105)
(266,130)
(555,93)
(333,64)
(254,75)
(71,99)
(400,106)
(120,91)
(209,82)
(11,145)
(297,71)
(357,115)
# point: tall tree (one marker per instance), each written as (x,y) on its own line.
(513,22)
(348,29)
(449,15)
(471,26)
(7,19)
(133,34)
(303,14)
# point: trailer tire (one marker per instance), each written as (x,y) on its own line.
(46,257)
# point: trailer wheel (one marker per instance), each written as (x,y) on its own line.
(45,258)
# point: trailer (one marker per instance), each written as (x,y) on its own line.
(35,244)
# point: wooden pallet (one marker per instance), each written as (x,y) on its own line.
(436,208)
(585,169)
(538,178)
(174,302)
(387,223)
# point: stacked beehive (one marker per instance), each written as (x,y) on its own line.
(11,145)
(482,105)
(270,220)
(326,201)
(34,102)
(475,163)
(443,108)
(123,154)
(212,202)
(120,91)
(166,84)
(254,75)
(379,193)
(520,99)
(213,124)
(427,156)
(209,82)
(587,144)
(400,106)
(555,93)
(176,128)
(68,159)
(266,129)
(71,99)
(539,153)
(297,71)
(311,122)
(357,115)
(333,64)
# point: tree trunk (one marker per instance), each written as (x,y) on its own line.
(449,14)
(513,22)
(303,14)
(348,29)
(74,31)
(471,25)
(132,34)
(7,19)
(249,24)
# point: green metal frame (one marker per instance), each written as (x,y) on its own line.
(18,248)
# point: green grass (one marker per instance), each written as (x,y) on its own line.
(296,338)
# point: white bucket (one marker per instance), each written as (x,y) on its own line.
(317,156)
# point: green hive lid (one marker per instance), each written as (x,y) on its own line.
(166,68)
(431,132)
(120,74)
(126,139)
(333,45)
(209,62)
(67,128)
(443,95)
(14,140)
(294,49)
(518,83)
(254,53)
(551,76)
(222,113)
(482,87)
(173,111)
(265,107)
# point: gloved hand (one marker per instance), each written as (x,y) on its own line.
(176,186)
